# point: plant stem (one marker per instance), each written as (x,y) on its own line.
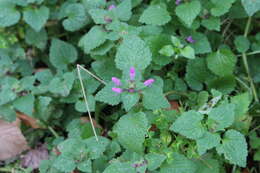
(176,92)
(53,132)
(251,53)
(244,56)
(6,169)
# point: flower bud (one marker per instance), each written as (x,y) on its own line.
(116,81)
(117,90)
(190,39)
(148,82)
(111,7)
(132,73)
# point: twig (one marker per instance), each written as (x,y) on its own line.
(244,56)
(91,74)
(86,102)
(53,132)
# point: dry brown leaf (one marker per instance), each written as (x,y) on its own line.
(30,121)
(33,158)
(174,105)
(12,141)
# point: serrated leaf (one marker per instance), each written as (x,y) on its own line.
(197,73)
(62,85)
(99,16)
(36,18)
(80,105)
(217,83)
(189,125)
(241,102)
(221,7)
(154,160)
(8,14)
(96,148)
(201,44)
(37,39)
(94,38)
(106,94)
(188,11)
(242,44)
(77,17)
(212,166)
(90,4)
(212,23)
(153,97)
(103,49)
(7,95)
(131,130)
(222,62)
(223,115)
(7,113)
(251,6)
(64,163)
(207,141)
(62,54)
(167,50)
(234,148)
(123,10)
(133,52)
(179,164)
(118,167)
(155,15)
(129,100)
(188,52)
(25,104)
(72,147)
(85,166)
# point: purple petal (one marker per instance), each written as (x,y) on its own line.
(177,2)
(117,90)
(111,7)
(148,82)
(116,81)
(132,73)
(131,90)
(190,39)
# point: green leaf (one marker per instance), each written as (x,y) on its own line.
(85,166)
(72,147)
(7,113)
(7,95)
(106,94)
(217,83)
(201,44)
(153,97)
(62,54)
(131,130)
(36,18)
(241,102)
(62,85)
(133,52)
(103,49)
(207,141)
(25,104)
(8,14)
(222,62)
(123,10)
(37,39)
(223,116)
(42,109)
(212,23)
(154,160)
(129,100)
(90,4)
(221,7)
(242,43)
(188,11)
(251,6)
(64,163)
(96,148)
(81,106)
(118,167)
(155,15)
(99,16)
(189,125)
(188,52)
(208,165)
(167,50)
(234,148)
(94,38)
(77,17)
(197,73)
(179,164)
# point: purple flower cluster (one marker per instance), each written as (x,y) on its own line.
(177,2)
(132,74)
(111,7)
(190,39)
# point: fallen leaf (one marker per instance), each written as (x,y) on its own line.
(174,105)
(33,158)
(11,139)
(30,121)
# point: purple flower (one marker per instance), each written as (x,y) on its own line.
(131,90)
(111,7)
(132,73)
(190,39)
(177,2)
(117,90)
(148,82)
(116,81)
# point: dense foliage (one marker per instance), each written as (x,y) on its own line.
(172,86)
